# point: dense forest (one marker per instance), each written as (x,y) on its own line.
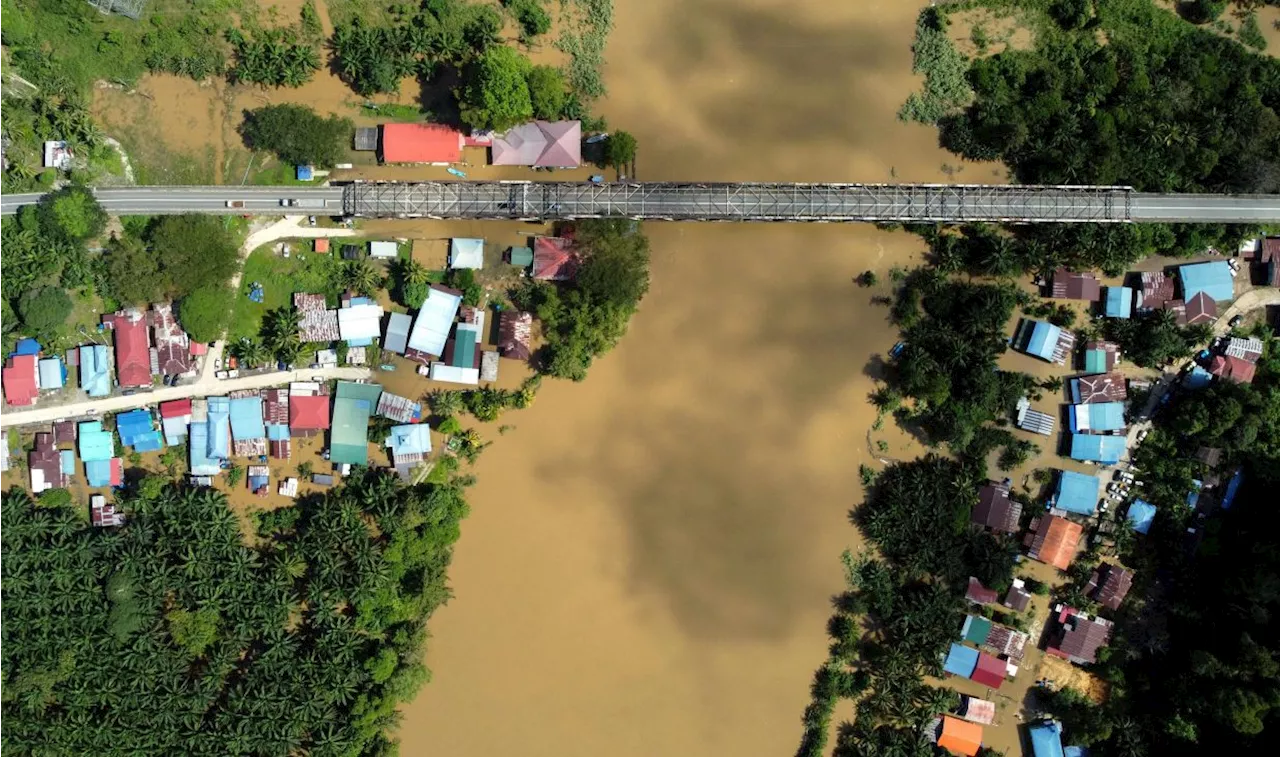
(170,635)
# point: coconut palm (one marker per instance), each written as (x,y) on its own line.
(249,352)
(360,276)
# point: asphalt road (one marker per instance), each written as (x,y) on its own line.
(762,202)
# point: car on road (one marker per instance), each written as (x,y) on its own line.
(235,203)
(220,374)
(1235,321)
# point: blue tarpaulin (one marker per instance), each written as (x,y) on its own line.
(1198,378)
(304,173)
(1233,486)
(961,660)
(1141,513)
(26,347)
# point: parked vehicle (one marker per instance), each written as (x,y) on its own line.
(1235,321)
(220,374)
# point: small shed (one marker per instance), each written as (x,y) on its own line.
(489,365)
(383,250)
(466,253)
(304,173)
(366,139)
(521,256)
(321,245)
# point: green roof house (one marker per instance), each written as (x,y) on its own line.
(349,430)
(522,256)
(976,629)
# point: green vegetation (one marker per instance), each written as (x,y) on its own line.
(53,112)
(584,42)
(548,93)
(620,151)
(496,95)
(274,57)
(72,214)
(305,644)
(280,334)
(532,17)
(588,316)
(205,311)
(411,280)
(464,280)
(1251,34)
(297,134)
(43,310)
(280,278)
(933,55)
(1155,339)
(175,257)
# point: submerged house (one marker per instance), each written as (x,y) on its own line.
(1044,340)
(248,431)
(434,322)
(1069,285)
(431,144)
(543,144)
(996,510)
(1109,585)
(410,445)
(1118,302)
(1098,448)
(1106,387)
(515,333)
(1077,493)
(349,435)
(1077,637)
(1054,540)
(1099,417)
(308,408)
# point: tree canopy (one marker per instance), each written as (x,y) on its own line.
(1154,338)
(297,134)
(44,310)
(620,150)
(548,93)
(496,94)
(194,251)
(131,272)
(205,311)
(169,635)
(72,213)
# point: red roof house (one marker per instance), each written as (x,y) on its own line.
(1075,286)
(515,330)
(554,259)
(979,594)
(175,408)
(308,413)
(173,347)
(1201,309)
(1229,367)
(990,671)
(321,245)
(133,348)
(20,384)
(420,143)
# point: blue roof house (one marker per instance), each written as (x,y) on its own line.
(410,439)
(137,431)
(1141,514)
(1099,416)
(219,432)
(95,443)
(1198,378)
(246,418)
(961,660)
(1212,278)
(67,462)
(95,371)
(1097,448)
(303,173)
(1039,339)
(1046,739)
(27,346)
(1077,492)
(53,374)
(1118,302)
(1233,487)
(198,446)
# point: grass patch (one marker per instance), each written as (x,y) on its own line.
(280,278)
(393,112)
(944,69)
(280,174)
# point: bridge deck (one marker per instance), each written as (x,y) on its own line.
(739,202)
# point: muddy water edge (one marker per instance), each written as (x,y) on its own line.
(651,552)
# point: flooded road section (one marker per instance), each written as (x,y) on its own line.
(650,556)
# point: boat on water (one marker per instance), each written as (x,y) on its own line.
(456,172)
(897,349)
(387,367)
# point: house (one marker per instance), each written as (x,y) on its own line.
(102,514)
(1017,598)
(489,365)
(248,432)
(320,245)
(1103,387)
(360,324)
(64,431)
(57,154)
(1074,286)
(383,250)
(202,465)
(960,660)
(1236,369)
(1044,340)
(51,373)
(1033,420)
(1118,302)
(275,410)
(219,419)
(95,444)
(1007,641)
(327,358)
(173,346)
(21,380)
(1157,289)
(990,671)
(1078,637)
(1046,739)
(995,509)
(397,337)
(349,435)
(316,322)
(1109,585)
(454,375)
(979,594)
(44,463)
(554,259)
(1141,514)
(259,479)
(104,472)
(1101,357)
(1098,448)
(174,419)
(1210,456)
(466,253)
(366,139)
(133,347)
(1077,493)
(137,430)
(959,737)
(515,331)
(95,370)
(1212,278)
(520,256)
(1098,417)
(409,445)
(1054,540)
(434,144)
(544,144)
(399,409)
(1246,349)
(976,629)
(431,327)
(981,711)
(463,351)
(308,409)
(1199,309)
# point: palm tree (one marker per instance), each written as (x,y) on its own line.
(249,352)
(446,404)
(360,276)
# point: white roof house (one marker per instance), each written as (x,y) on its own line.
(327,358)
(382,250)
(434,321)
(360,322)
(397,336)
(57,155)
(466,253)
(445,372)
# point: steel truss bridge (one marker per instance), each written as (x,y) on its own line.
(523,200)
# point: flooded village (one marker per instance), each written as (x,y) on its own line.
(651,554)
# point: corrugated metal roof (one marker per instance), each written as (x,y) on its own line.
(397,336)
(350,433)
(1077,492)
(464,349)
(435,320)
(466,253)
(1213,278)
(1097,448)
(246,419)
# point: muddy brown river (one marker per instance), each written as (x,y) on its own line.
(651,552)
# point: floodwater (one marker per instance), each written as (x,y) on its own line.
(649,560)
